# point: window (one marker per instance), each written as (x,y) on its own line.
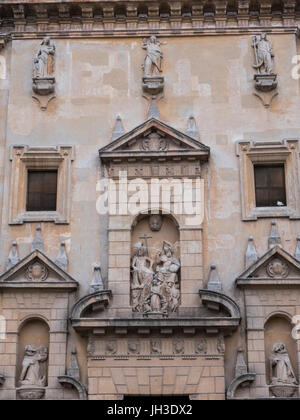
(269,185)
(269,179)
(40,184)
(41,191)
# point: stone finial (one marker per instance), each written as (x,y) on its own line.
(297,251)
(118,130)
(37,243)
(274,238)
(62,259)
(214,282)
(240,366)
(97,283)
(251,255)
(192,129)
(73,369)
(153,111)
(13,257)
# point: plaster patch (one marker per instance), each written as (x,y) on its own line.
(2,67)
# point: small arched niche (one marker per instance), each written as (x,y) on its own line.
(155,264)
(278,329)
(33,336)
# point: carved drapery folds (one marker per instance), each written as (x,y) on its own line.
(43,73)
(33,377)
(283,378)
(155,283)
(265,78)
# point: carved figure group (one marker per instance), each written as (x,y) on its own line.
(154,283)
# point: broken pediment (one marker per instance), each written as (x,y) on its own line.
(154,138)
(276,266)
(37,271)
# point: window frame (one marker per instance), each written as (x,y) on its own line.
(285,152)
(269,187)
(24,159)
(28,192)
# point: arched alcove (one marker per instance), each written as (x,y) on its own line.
(33,332)
(278,329)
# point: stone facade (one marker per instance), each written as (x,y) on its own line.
(101,306)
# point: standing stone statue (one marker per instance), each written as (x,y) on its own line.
(152,66)
(263,53)
(167,264)
(31,366)
(281,370)
(141,275)
(44,59)
(156,301)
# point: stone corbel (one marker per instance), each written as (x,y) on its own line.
(266,88)
(68,381)
(2,379)
(43,91)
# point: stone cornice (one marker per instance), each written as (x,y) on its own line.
(78,18)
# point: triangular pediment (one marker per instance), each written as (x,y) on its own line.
(37,271)
(154,137)
(276,266)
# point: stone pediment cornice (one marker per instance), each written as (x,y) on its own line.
(130,145)
(140,18)
(37,271)
(262,273)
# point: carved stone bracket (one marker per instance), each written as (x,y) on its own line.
(96,301)
(2,379)
(241,380)
(266,85)
(43,89)
(216,301)
(153,85)
(67,381)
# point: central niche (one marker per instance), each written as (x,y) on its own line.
(155,265)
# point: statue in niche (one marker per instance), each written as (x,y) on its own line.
(281,370)
(31,366)
(152,66)
(44,59)
(154,283)
(155,222)
(263,53)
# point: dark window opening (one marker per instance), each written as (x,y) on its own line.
(270,185)
(41,191)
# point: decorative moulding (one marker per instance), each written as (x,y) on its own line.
(66,380)
(37,271)
(24,158)
(284,152)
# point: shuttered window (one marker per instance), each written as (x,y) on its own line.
(41,191)
(270,185)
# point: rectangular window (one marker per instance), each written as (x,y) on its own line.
(270,185)
(41,190)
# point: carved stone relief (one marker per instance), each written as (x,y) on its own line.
(221,345)
(36,272)
(283,378)
(111,347)
(178,347)
(277,269)
(32,379)
(155,142)
(155,346)
(43,73)
(265,79)
(155,222)
(201,346)
(134,347)
(154,282)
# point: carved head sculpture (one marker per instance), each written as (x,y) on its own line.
(30,350)
(46,41)
(155,222)
(263,36)
(139,249)
(153,39)
(279,348)
(168,249)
